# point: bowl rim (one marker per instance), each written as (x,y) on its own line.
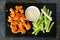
(36,9)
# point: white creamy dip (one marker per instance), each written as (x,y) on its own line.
(32,13)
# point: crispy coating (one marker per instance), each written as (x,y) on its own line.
(18,21)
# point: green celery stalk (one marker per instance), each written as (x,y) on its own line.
(46,15)
(36,30)
(50,13)
(51,26)
(47,25)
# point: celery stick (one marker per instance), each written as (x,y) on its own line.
(40,15)
(43,28)
(47,25)
(51,26)
(37,30)
(46,15)
(50,13)
(44,8)
(47,11)
(39,22)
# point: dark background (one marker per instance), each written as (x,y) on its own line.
(2,19)
(50,6)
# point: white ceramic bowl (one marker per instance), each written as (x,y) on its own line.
(32,13)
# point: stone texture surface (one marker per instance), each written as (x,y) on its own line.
(2,19)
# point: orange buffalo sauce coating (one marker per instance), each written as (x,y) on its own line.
(18,22)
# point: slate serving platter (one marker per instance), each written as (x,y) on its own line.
(51,6)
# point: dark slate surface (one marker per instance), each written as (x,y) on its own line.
(2,19)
